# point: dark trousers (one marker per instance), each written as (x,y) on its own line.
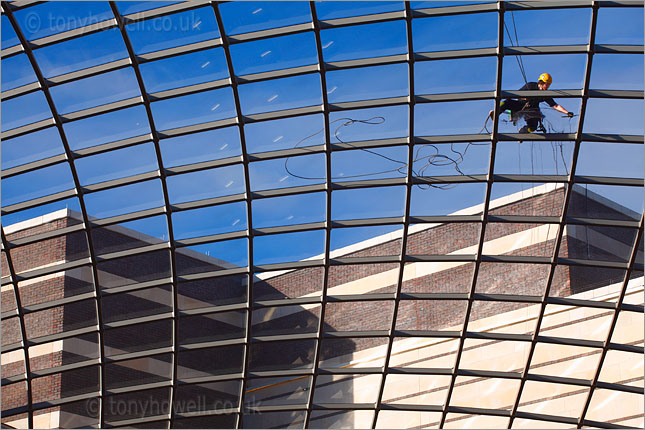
(520,109)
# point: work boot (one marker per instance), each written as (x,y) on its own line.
(525,129)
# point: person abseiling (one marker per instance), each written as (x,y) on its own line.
(529,107)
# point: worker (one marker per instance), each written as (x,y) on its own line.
(529,107)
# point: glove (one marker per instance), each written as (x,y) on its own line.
(570,114)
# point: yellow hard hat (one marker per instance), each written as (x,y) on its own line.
(545,77)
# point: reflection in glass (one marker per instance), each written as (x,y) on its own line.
(204,293)
(211,257)
(125,199)
(212,327)
(130,235)
(289,284)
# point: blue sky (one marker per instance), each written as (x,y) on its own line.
(554,27)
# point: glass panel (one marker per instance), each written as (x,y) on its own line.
(129,7)
(564,360)
(352,352)
(288,247)
(60,319)
(366,241)
(450,159)
(108,127)
(139,337)
(47,19)
(211,257)
(597,243)
(99,48)
(63,352)
(274,53)
(57,286)
(212,292)
(117,164)
(368,83)
(207,397)
(134,269)
(24,110)
(416,389)
(277,391)
(627,160)
(194,109)
(212,327)
(170,31)
(527,199)
(364,41)
(372,123)
(362,278)
(223,421)
(8,299)
(282,420)
(282,355)
(130,235)
(504,356)
(446,33)
(250,16)
(431,314)
(523,423)
(345,9)
(208,362)
(436,119)
(210,220)
(72,383)
(287,133)
(505,317)
(94,91)
(16,72)
(557,399)
(567,70)
(137,405)
(424,352)
(341,419)
(9,37)
(461,421)
(280,94)
(14,396)
(151,301)
(71,205)
(606,202)
(438,277)
(289,210)
(83,414)
(408,420)
(491,393)
(285,320)
(13,363)
(576,322)
(630,30)
(447,199)
(346,388)
(512,278)
(624,119)
(605,67)
(205,184)
(31,147)
(455,76)
(125,199)
(535,240)
(629,328)
(303,170)
(533,158)
(364,163)
(622,367)
(289,284)
(146,370)
(184,70)
(586,282)
(37,183)
(527,33)
(368,203)
(616,407)
(70,247)
(199,147)
(359,316)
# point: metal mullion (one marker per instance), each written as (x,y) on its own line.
(368,183)
(264,231)
(28,128)
(542,93)
(328,213)
(549,49)
(453,139)
(12,51)
(204,165)
(59,302)
(459,53)
(88,72)
(77,185)
(293,152)
(211,238)
(522,5)
(618,138)
(189,89)
(214,201)
(115,183)
(44,236)
(111,146)
(594,381)
(161,174)
(73,192)
(279,114)
(179,50)
(288,191)
(618,49)
(277,74)
(490,178)
(367,222)
(266,34)
(618,94)
(367,104)
(160,11)
(20,91)
(366,62)
(451,97)
(102,109)
(372,143)
(288,266)
(34,165)
(362,19)
(226,41)
(23,330)
(70,34)
(567,198)
(602,180)
(132,216)
(409,184)
(36,273)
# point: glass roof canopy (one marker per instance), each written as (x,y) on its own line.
(248,140)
